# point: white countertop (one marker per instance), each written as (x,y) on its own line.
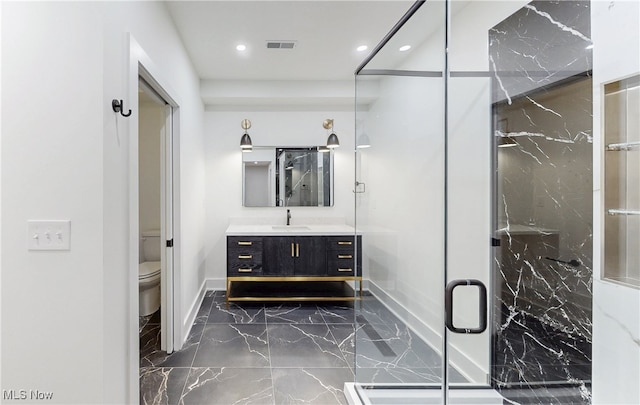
(279,230)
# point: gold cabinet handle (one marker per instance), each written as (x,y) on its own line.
(292,250)
(297,250)
(342,242)
(245,243)
(344,270)
(245,256)
(245,270)
(345,257)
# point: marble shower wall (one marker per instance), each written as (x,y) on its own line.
(307,179)
(541,60)
(301,180)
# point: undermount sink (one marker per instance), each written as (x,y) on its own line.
(290,228)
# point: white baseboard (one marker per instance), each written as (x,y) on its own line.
(193,312)
(208,284)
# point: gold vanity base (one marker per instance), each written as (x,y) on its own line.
(261,289)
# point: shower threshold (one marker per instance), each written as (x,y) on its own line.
(357,394)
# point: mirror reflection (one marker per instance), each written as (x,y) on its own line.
(287,177)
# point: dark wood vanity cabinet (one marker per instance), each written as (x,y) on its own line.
(292,258)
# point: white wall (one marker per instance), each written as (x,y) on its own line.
(224,171)
(65,315)
(52,302)
(277,95)
(616,308)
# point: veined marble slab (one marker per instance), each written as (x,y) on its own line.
(280,230)
(516,229)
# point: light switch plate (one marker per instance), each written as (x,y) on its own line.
(49,235)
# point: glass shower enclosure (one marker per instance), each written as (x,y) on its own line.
(475,198)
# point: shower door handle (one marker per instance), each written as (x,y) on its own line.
(448,305)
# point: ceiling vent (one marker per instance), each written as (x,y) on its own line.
(281,44)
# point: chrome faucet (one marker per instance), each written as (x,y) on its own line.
(288,217)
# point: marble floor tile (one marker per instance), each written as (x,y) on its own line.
(233,345)
(154,318)
(226,386)
(397,375)
(151,354)
(236,313)
(142,322)
(345,337)
(338,313)
(162,386)
(374,312)
(294,313)
(149,343)
(203,313)
(320,386)
(379,346)
(400,375)
(282,354)
(300,345)
(416,344)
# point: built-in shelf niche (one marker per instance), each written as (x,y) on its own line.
(622,182)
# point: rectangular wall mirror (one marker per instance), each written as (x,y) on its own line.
(276,176)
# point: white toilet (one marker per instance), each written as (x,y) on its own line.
(149,273)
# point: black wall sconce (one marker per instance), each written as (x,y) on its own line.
(245,142)
(332,140)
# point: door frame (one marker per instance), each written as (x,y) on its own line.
(166,212)
(139,65)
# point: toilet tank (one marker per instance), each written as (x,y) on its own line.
(151,245)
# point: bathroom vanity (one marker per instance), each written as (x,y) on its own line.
(292,263)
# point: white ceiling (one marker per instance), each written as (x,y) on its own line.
(326,34)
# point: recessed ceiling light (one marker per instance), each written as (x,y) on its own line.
(404,48)
(362,48)
(241,47)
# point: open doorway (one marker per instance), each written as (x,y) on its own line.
(155,217)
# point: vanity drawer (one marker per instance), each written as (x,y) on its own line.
(340,264)
(340,243)
(244,242)
(243,262)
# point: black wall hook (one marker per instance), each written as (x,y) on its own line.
(117,106)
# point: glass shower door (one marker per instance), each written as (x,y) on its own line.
(468,155)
